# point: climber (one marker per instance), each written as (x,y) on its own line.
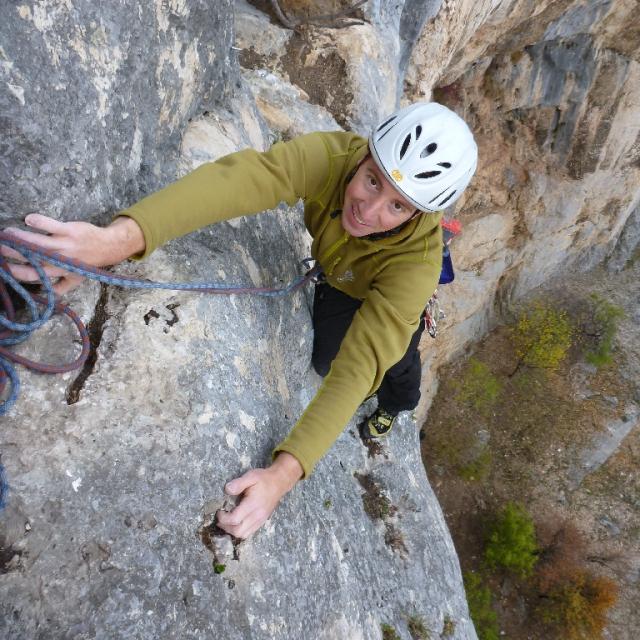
(373,210)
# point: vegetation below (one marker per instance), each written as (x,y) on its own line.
(503,438)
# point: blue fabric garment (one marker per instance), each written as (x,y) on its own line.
(446,275)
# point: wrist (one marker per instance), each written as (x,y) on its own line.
(125,239)
(287,470)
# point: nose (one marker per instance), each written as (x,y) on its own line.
(372,207)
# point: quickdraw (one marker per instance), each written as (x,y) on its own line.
(433,313)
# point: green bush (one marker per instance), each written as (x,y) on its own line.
(388,632)
(542,336)
(478,387)
(480,601)
(512,541)
(606,317)
(418,629)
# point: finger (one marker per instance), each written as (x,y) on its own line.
(29,274)
(8,252)
(48,242)
(67,283)
(232,530)
(250,526)
(246,528)
(237,486)
(44,223)
(237,516)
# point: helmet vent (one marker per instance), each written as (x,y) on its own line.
(385,123)
(418,131)
(432,199)
(446,165)
(405,146)
(428,174)
(447,198)
(428,150)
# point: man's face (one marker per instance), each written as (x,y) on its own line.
(372,204)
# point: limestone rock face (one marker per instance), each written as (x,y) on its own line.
(94,99)
(551,91)
(115,475)
(108,529)
(355,72)
(115,479)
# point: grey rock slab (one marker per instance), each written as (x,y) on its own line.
(627,242)
(254,30)
(605,445)
(112,493)
(286,108)
(93,99)
(118,488)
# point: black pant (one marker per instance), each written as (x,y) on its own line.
(332,315)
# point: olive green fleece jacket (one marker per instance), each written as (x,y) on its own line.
(393,276)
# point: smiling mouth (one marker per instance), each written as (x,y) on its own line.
(357,217)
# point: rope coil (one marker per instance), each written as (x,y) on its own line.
(41,308)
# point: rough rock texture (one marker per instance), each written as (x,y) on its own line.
(628,243)
(551,90)
(356,73)
(115,475)
(107,530)
(286,108)
(94,99)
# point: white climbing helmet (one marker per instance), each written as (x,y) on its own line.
(427,152)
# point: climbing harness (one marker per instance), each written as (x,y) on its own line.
(41,308)
(432,313)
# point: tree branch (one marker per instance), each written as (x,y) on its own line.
(281,16)
(326,20)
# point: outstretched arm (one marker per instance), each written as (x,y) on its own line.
(98,246)
(241,183)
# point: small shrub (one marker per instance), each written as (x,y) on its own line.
(448,627)
(578,606)
(512,541)
(478,387)
(605,319)
(562,550)
(388,632)
(417,628)
(542,336)
(480,601)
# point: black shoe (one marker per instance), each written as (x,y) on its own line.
(378,424)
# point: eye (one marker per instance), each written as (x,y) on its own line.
(398,207)
(373,181)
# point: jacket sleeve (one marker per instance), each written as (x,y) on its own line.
(377,338)
(241,183)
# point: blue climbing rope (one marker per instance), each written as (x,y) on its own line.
(41,309)
(4,487)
